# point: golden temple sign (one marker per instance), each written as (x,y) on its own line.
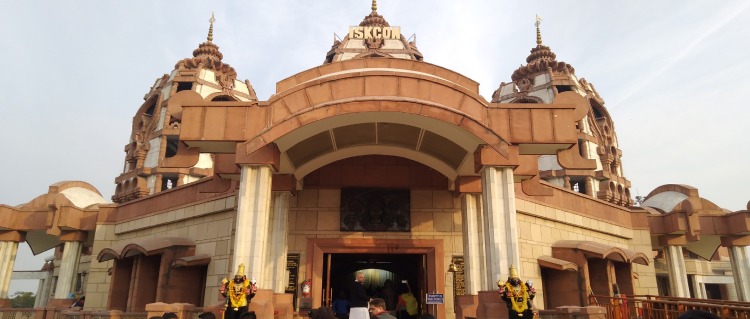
(375,33)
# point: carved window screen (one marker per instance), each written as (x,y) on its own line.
(375,209)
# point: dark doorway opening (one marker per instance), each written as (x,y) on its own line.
(340,270)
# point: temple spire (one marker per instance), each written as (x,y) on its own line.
(211,28)
(538,32)
(374,6)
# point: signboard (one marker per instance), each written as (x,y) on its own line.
(435,299)
(375,33)
(459,279)
(292,267)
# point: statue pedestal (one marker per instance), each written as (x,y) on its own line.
(467,306)
(490,306)
(181,310)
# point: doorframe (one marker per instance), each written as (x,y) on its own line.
(432,248)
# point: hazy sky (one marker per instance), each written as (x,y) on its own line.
(674,75)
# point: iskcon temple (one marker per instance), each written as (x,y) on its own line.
(374,161)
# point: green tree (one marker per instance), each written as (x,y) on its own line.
(22,299)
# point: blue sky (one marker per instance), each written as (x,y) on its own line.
(674,75)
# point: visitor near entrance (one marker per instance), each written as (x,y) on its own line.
(388,295)
(377,309)
(341,305)
(517,295)
(407,305)
(358,298)
(238,293)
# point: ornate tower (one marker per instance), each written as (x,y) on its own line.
(540,81)
(150,162)
(373,38)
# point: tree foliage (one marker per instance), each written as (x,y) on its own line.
(22,299)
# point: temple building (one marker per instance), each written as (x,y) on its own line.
(381,162)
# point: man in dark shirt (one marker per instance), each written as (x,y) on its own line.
(359,298)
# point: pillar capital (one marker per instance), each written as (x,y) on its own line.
(732,241)
(485,155)
(468,184)
(73,235)
(12,235)
(672,240)
(268,155)
(284,183)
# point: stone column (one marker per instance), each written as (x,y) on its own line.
(473,240)
(740,271)
(67,275)
(500,227)
(278,231)
(42,292)
(678,284)
(253,213)
(589,186)
(8,251)
(699,288)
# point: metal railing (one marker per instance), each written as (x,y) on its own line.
(661,307)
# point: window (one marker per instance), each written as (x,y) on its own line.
(172,145)
(563,88)
(168,181)
(80,281)
(183,86)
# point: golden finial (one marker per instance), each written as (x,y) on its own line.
(538,32)
(374,6)
(211,28)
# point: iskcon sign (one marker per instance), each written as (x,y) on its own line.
(375,33)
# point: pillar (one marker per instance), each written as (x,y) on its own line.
(42,292)
(589,186)
(253,213)
(500,228)
(67,275)
(678,284)
(699,288)
(276,256)
(473,241)
(8,251)
(740,271)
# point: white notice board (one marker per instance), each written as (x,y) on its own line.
(435,299)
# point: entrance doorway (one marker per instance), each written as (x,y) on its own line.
(426,254)
(384,275)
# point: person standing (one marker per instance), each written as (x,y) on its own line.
(388,295)
(407,306)
(341,305)
(239,291)
(358,298)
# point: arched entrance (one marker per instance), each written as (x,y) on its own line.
(344,255)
